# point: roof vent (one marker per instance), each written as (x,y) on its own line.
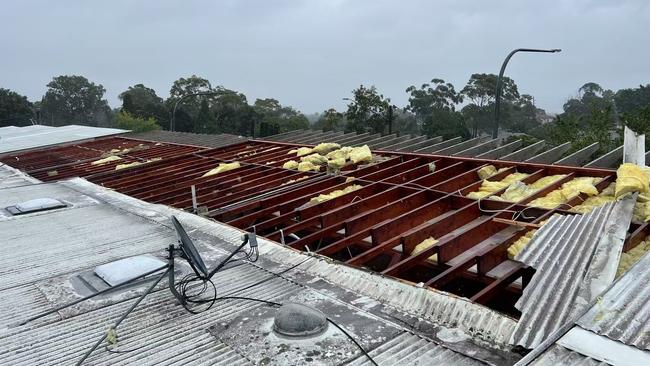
(35,205)
(126,269)
(297,320)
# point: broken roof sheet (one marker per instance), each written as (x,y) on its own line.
(623,312)
(560,251)
(22,138)
(99,226)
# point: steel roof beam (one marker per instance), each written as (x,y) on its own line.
(393,141)
(525,153)
(501,150)
(478,149)
(438,146)
(420,145)
(282,136)
(579,157)
(549,156)
(413,140)
(460,146)
(609,160)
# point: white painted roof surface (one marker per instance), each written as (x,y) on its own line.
(397,323)
(21,138)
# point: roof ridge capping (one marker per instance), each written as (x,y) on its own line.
(484,325)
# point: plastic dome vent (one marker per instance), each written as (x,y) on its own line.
(297,320)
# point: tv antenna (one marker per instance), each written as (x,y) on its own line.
(185,250)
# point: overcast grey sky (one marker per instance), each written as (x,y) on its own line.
(311,53)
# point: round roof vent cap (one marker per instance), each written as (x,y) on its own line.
(297,320)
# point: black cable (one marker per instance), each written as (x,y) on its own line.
(354,341)
(273,303)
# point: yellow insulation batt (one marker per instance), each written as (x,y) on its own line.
(568,190)
(336,164)
(291,164)
(337,193)
(361,154)
(294,180)
(489,170)
(106,160)
(128,165)
(630,178)
(342,153)
(305,166)
(488,187)
(631,257)
(522,242)
(301,151)
(223,167)
(546,181)
(326,147)
(426,243)
(315,159)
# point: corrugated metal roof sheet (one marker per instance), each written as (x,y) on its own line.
(410,349)
(561,252)
(29,137)
(623,313)
(188,138)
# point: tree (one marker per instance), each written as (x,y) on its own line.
(481,91)
(331,120)
(126,121)
(639,121)
(188,110)
(15,109)
(632,100)
(276,117)
(142,102)
(434,107)
(367,111)
(73,99)
(522,115)
(591,96)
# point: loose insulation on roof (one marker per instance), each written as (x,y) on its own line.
(561,252)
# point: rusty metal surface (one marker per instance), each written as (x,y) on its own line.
(401,200)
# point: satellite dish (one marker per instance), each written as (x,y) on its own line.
(189,250)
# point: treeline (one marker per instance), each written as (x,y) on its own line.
(435,108)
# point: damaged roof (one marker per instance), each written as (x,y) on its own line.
(463,288)
(52,249)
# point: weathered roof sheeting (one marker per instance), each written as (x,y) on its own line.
(101,225)
(11,177)
(623,312)
(561,252)
(22,138)
(188,138)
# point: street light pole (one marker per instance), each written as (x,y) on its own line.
(497,98)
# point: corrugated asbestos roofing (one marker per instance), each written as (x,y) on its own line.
(623,312)
(50,248)
(560,252)
(21,138)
